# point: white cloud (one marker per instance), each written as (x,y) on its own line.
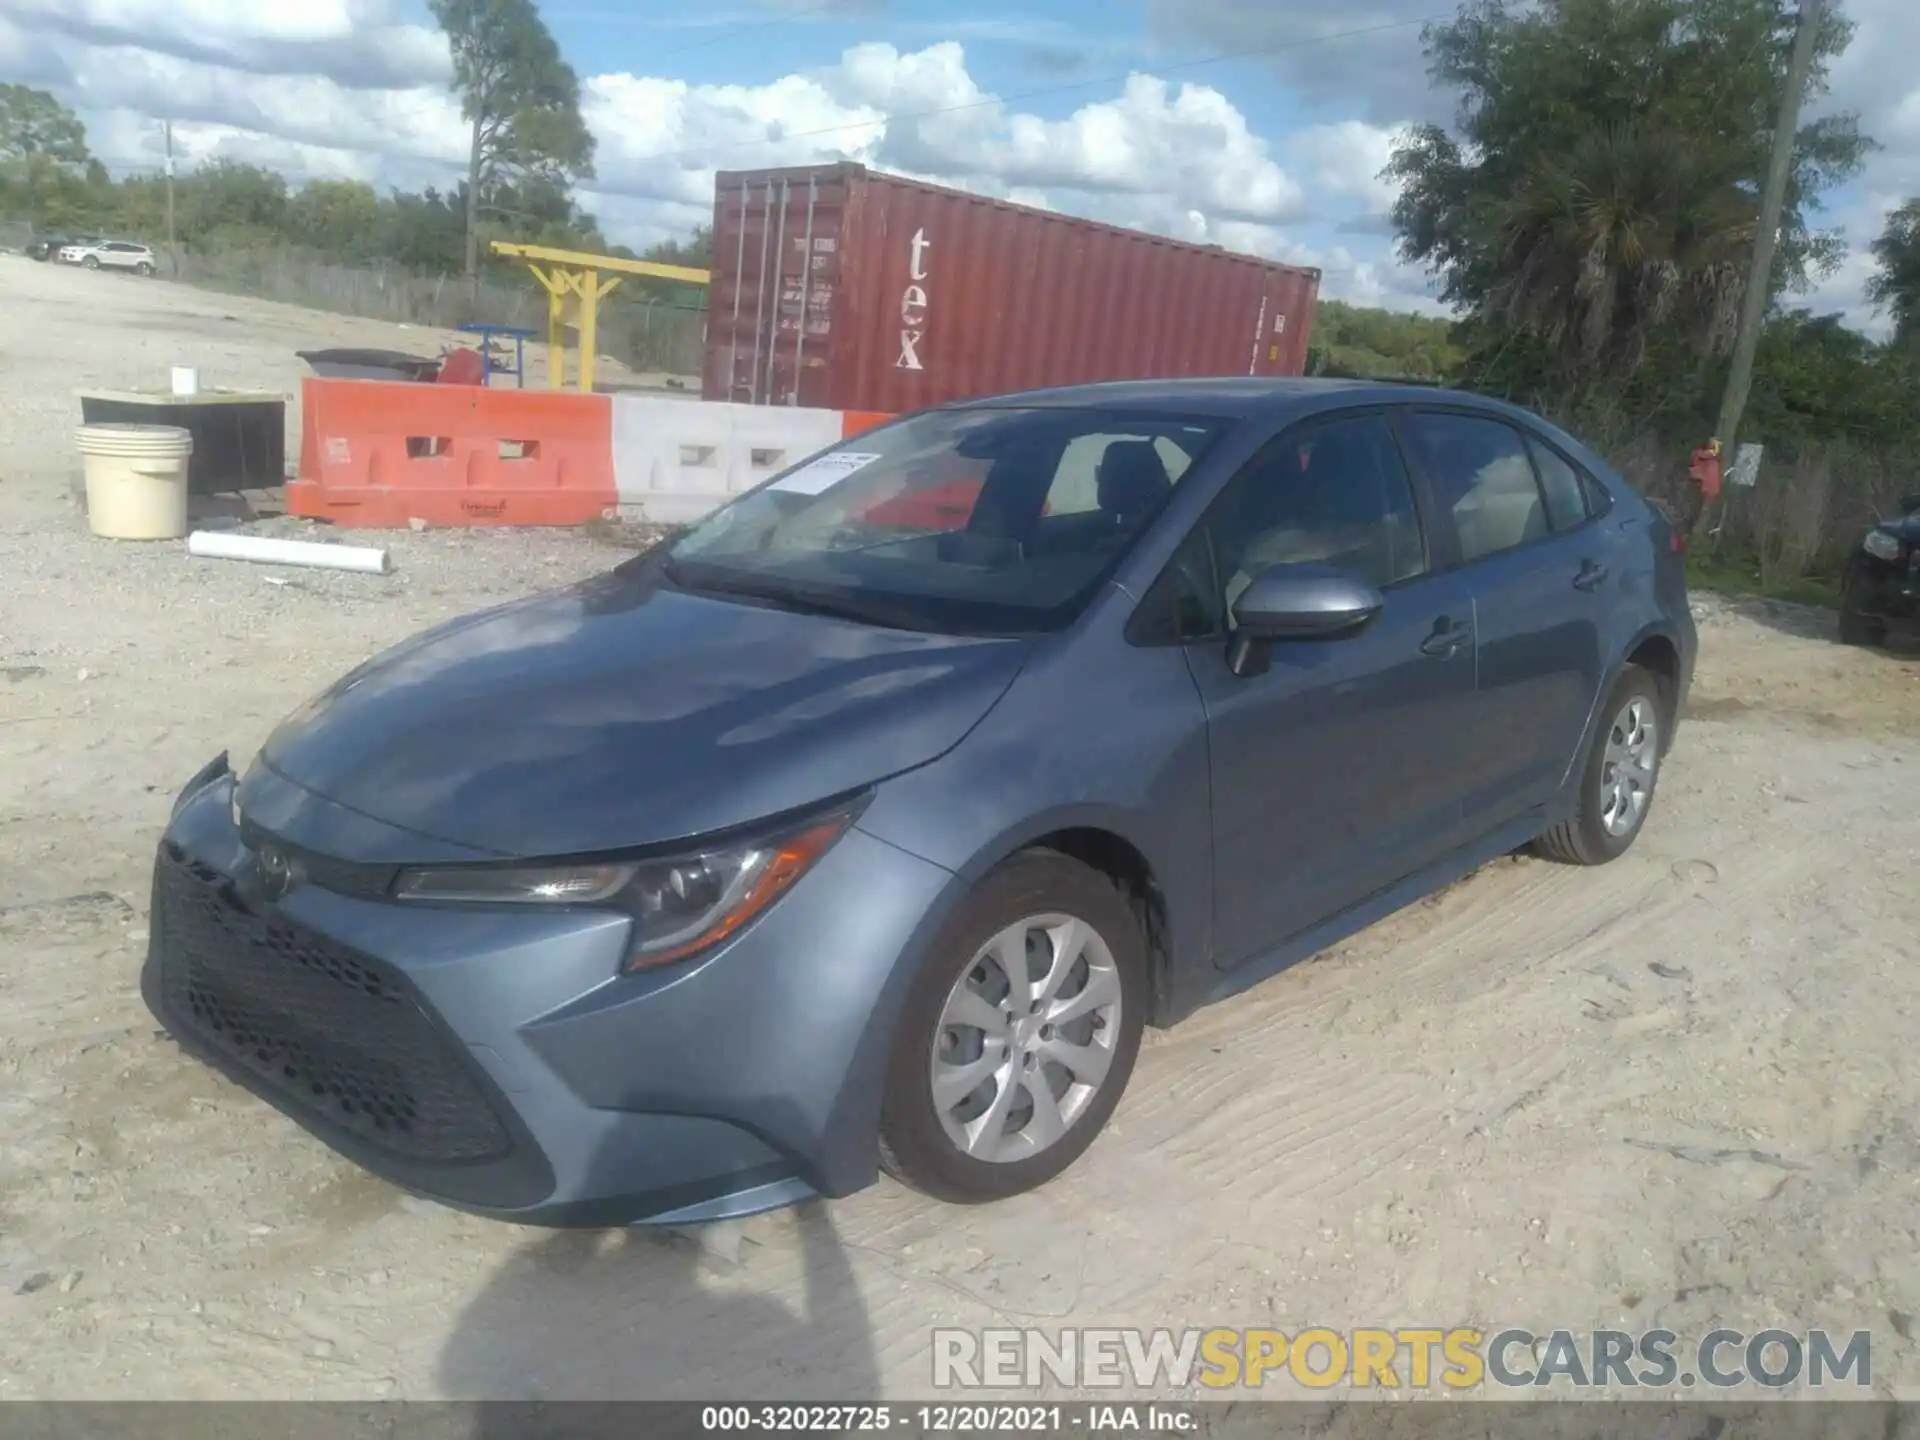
(1345,160)
(357,88)
(1167,157)
(359,43)
(663,139)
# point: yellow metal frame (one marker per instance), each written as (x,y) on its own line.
(575,272)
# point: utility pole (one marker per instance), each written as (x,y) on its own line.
(167,125)
(1753,303)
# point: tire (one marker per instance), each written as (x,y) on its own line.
(1038,890)
(1858,629)
(1632,720)
(92,262)
(145,267)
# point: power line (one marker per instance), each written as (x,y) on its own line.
(744,27)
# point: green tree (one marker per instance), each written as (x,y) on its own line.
(229,200)
(340,218)
(1897,283)
(1597,195)
(43,155)
(695,252)
(521,100)
(1365,343)
(36,126)
(423,231)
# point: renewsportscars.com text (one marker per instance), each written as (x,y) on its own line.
(1455,1359)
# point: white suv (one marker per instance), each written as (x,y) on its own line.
(111,255)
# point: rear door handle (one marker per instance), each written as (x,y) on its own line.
(1447,638)
(1591,575)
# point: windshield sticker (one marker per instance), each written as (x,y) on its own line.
(824,473)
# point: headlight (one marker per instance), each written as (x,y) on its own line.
(680,904)
(1881,545)
(526,885)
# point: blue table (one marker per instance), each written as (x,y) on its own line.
(518,334)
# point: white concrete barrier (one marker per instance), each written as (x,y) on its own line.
(674,460)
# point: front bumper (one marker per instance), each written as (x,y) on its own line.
(1885,590)
(496,1060)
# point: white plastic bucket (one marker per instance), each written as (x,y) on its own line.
(186,382)
(136,480)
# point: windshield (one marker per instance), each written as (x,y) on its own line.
(965,521)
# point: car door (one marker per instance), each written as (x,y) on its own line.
(1542,575)
(1331,770)
(120,255)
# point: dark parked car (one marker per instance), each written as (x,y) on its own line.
(806,845)
(48,247)
(1881,589)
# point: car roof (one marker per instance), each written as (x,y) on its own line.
(1236,397)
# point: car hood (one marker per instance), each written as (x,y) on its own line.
(620,713)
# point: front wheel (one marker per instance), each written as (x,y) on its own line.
(92,262)
(1019,1034)
(1617,780)
(1858,629)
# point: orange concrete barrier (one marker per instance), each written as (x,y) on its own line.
(377,454)
(380,453)
(854,422)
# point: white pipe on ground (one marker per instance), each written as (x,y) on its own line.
(213,545)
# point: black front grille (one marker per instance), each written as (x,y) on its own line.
(332,1033)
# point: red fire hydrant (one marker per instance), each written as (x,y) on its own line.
(1706,469)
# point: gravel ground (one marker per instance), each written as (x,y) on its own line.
(1677,1091)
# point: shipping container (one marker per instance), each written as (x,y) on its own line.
(839,287)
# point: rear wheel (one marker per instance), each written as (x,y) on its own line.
(145,267)
(1618,778)
(1019,1034)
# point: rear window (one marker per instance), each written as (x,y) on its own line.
(1562,486)
(1482,479)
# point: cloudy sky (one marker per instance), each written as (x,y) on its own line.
(1119,109)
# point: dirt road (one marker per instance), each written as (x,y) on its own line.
(1676,1091)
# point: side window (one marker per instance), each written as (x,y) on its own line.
(1481,476)
(1184,603)
(1599,501)
(1561,484)
(1334,493)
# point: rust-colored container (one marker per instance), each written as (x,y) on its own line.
(914,295)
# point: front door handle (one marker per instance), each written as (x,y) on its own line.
(1592,575)
(1447,638)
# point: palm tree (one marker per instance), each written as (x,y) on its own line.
(1625,233)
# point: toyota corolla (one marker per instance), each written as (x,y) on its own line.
(851,831)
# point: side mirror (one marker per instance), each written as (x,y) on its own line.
(1297,602)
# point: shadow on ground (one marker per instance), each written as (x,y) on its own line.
(644,1314)
(1804,622)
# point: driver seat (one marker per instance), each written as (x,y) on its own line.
(1131,483)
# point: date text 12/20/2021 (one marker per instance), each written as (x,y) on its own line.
(961,1419)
